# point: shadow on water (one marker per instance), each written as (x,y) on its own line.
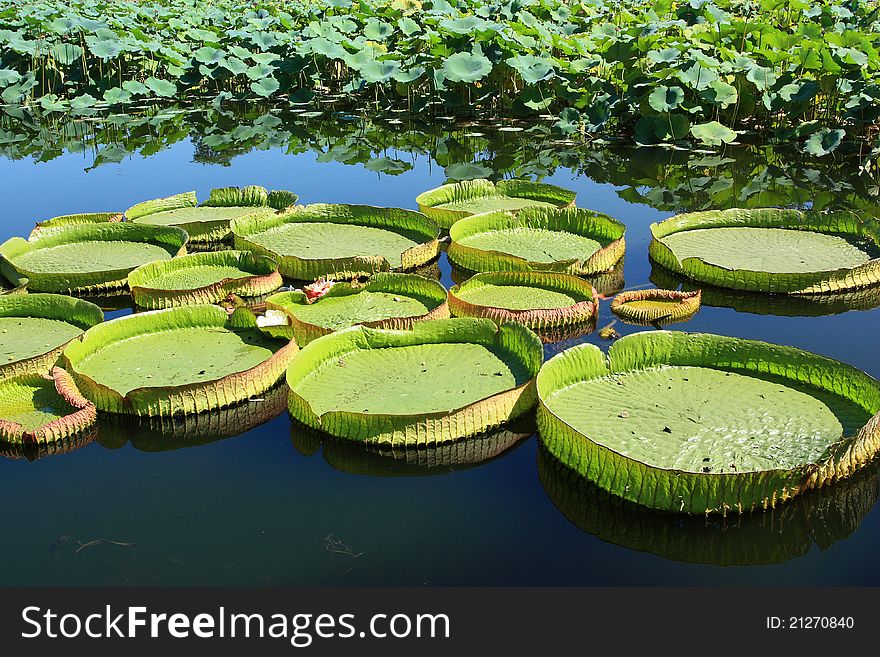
(821,517)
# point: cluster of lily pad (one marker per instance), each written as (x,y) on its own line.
(374,353)
(702,70)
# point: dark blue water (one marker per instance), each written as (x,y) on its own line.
(252,509)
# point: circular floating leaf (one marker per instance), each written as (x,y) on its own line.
(206,277)
(35,327)
(176,361)
(449,203)
(387,300)
(538,300)
(439,381)
(568,240)
(63,221)
(770,250)
(703,423)
(88,257)
(658,307)
(339,241)
(208,223)
(42,409)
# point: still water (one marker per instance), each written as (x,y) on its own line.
(273,506)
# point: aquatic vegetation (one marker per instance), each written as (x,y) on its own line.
(208,222)
(386,300)
(771,250)
(436,382)
(176,361)
(706,72)
(538,300)
(656,307)
(818,518)
(42,408)
(569,240)
(700,423)
(449,203)
(66,220)
(337,241)
(87,258)
(34,328)
(199,278)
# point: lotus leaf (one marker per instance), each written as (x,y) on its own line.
(436,382)
(569,240)
(449,203)
(339,241)
(700,423)
(38,408)
(387,300)
(66,220)
(35,327)
(656,307)
(87,257)
(770,250)
(176,361)
(538,300)
(208,222)
(203,278)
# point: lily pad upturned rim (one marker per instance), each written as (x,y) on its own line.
(345,267)
(212,231)
(77,312)
(583,310)
(172,239)
(263,279)
(429,291)
(687,307)
(579,221)
(422,428)
(66,220)
(841,223)
(182,399)
(481,187)
(691,492)
(63,427)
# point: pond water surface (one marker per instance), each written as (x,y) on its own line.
(271,506)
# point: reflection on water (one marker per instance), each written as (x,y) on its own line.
(32,451)
(402,461)
(821,517)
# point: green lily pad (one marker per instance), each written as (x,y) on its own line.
(538,300)
(786,251)
(446,204)
(87,257)
(75,220)
(656,307)
(569,240)
(339,241)
(206,277)
(387,300)
(176,361)
(209,222)
(439,381)
(35,327)
(703,423)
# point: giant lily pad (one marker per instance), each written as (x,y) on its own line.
(176,361)
(436,382)
(449,203)
(539,300)
(656,307)
(38,408)
(339,241)
(703,423)
(206,277)
(90,257)
(387,300)
(570,240)
(35,327)
(817,518)
(208,222)
(66,220)
(769,250)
